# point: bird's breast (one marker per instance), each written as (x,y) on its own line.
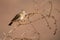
(22,17)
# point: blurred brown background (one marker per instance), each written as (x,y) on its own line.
(9,8)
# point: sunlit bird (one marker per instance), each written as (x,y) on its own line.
(19,16)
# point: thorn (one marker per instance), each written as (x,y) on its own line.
(49,26)
(55,31)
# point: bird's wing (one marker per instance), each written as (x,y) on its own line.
(16,17)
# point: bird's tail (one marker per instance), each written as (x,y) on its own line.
(10,23)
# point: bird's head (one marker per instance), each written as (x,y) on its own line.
(22,14)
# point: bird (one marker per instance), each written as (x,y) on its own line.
(19,16)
